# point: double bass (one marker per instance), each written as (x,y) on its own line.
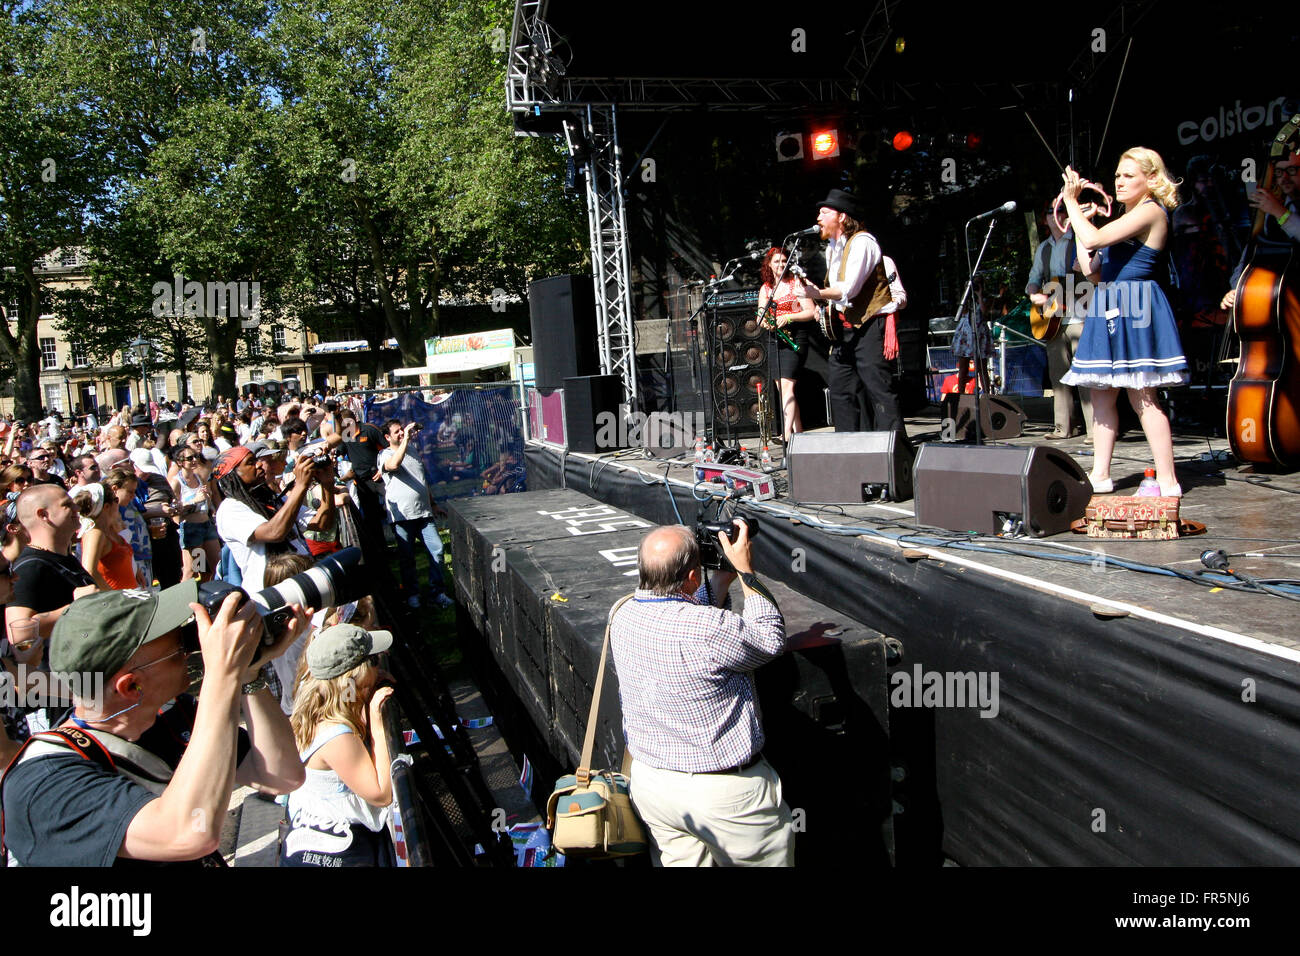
(1264,395)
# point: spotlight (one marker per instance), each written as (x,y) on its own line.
(899,45)
(903,140)
(826,144)
(789,146)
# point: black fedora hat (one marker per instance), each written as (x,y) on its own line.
(139,420)
(842,201)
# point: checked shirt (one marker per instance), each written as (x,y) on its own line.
(685,682)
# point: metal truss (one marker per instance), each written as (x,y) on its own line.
(597,141)
(1118,26)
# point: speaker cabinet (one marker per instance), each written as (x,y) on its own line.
(739,351)
(1000,417)
(847,467)
(999,489)
(565,342)
(591,406)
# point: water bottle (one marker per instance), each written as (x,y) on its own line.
(1149,488)
(766,460)
(708,453)
(699,449)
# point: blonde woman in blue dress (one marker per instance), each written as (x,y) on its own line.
(1130,338)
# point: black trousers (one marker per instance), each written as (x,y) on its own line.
(858,362)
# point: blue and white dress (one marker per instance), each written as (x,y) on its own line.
(1130,338)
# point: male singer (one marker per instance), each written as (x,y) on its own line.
(857,292)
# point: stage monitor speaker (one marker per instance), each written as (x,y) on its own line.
(1000,417)
(848,467)
(565,342)
(672,434)
(999,489)
(591,407)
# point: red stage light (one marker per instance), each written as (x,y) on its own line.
(973,140)
(903,140)
(826,144)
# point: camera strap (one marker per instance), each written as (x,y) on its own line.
(73,738)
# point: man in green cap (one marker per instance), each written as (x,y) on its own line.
(117,781)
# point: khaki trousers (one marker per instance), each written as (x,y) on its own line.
(714,819)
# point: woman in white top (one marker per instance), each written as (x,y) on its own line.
(339,815)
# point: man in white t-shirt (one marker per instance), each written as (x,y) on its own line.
(410,509)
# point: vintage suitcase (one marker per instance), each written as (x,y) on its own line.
(1130,516)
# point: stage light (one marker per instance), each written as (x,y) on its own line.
(789,146)
(899,45)
(973,140)
(903,140)
(826,144)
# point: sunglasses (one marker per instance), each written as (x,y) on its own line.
(189,458)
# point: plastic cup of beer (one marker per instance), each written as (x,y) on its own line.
(25,639)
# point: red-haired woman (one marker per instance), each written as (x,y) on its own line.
(790,307)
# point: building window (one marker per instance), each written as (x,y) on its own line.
(254,343)
(54,398)
(49,355)
(79,354)
(257,375)
(277,338)
(159,383)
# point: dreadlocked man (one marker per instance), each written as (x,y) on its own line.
(252,523)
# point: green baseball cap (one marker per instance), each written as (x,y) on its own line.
(336,650)
(98,633)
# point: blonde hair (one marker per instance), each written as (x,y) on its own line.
(1164,189)
(332,701)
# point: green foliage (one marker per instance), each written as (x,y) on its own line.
(354,158)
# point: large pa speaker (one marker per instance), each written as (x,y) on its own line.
(565,341)
(1000,417)
(847,467)
(999,489)
(590,409)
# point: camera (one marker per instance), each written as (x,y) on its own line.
(706,536)
(332,581)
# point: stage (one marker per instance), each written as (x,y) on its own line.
(1140,718)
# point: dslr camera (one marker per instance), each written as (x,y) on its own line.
(706,536)
(332,581)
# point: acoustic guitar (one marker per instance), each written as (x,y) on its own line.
(1045,323)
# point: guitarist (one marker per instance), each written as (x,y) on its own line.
(1054,259)
(856,292)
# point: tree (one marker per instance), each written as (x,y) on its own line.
(399,132)
(51,182)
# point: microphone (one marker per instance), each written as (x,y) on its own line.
(756,255)
(1005,207)
(815,230)
(1215,560)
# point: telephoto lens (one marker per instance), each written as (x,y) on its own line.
(333,580)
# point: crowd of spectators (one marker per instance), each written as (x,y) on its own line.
(112,522)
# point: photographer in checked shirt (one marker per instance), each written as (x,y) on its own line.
(690,711)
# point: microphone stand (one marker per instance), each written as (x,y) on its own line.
(970,285)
